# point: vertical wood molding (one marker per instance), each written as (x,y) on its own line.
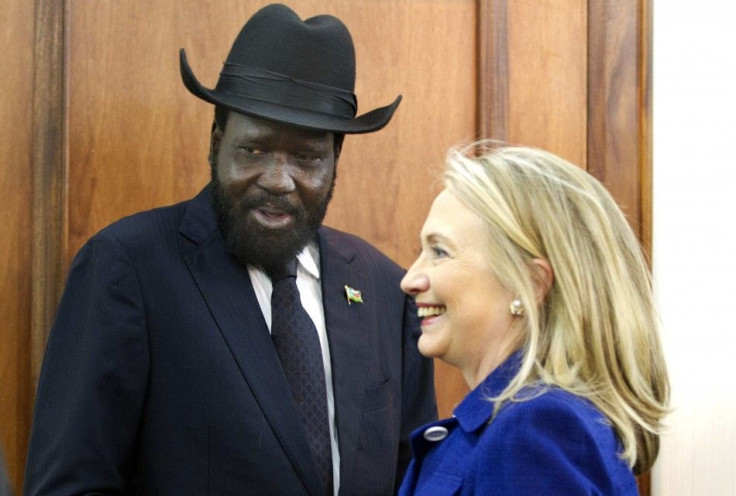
(619,104)
(49,175)
(493,70)
(645,123)
(645,155)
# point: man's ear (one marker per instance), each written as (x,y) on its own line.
(215,139)
(338,149)
(544,277)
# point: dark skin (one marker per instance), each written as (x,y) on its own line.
(274,181)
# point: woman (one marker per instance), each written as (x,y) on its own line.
(531,282)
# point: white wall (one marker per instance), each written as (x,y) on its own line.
(694,105)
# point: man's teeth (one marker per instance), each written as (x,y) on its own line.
(430,311)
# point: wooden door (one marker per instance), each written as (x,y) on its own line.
(104,124)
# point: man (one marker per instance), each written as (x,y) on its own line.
(161,376)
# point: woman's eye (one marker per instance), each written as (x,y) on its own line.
(438,252)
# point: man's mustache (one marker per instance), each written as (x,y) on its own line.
(256,200)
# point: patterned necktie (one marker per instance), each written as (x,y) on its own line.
(297,344)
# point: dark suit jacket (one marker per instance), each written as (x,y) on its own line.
(5,489)
(551,443)
(160,376)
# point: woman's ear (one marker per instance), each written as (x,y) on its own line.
(543,276)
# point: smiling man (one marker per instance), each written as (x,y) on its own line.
(271,184)
(217,346)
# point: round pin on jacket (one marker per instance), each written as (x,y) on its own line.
(435,433)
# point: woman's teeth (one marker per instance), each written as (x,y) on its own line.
(430,311)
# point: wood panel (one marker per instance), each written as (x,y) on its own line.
(619,107)
(430,60)
(534,74)
(15,230)
(49,175)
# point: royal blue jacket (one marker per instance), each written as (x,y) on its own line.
(553,443)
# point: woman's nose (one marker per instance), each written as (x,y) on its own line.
(414,281)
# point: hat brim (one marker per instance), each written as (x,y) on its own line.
(305,118)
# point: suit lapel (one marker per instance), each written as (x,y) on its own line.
(228,292)
(350,346)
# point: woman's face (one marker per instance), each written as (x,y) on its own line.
(463,308)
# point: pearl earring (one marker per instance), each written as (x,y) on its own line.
(516,308)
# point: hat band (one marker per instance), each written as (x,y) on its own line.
(260,84)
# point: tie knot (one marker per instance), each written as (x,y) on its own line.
(283,271)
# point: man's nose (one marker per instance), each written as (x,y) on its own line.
(276,178)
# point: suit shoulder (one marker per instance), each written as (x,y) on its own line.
(142,230)
(551,404)
(564,437)
(360,246)
(556,417)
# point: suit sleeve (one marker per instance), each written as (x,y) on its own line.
(419,405)
(93,379)
(551,449)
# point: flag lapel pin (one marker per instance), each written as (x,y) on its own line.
(353,295)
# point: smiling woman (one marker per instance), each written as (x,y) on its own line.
(531,282)
(460,300)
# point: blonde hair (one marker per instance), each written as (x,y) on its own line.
(596,332)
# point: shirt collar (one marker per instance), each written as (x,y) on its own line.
(476,408)
(309,259)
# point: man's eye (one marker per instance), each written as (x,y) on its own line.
(308,158)
(249,154)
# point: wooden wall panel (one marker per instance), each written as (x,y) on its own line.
(429,58)
(547,76)
(619,108)
(534,74)
(16,95)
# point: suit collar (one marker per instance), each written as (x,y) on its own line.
(199,222)
(476,410)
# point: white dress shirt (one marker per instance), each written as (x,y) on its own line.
(310,291)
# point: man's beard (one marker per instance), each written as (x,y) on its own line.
(250,243)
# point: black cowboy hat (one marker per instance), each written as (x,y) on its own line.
(292,71)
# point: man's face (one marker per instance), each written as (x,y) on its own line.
(271,186)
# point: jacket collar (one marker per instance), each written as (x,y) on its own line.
(476,408)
